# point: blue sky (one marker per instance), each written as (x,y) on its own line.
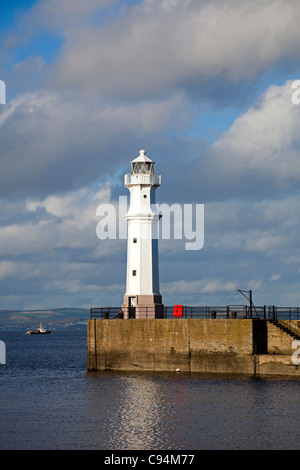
(11,10)
(205,88)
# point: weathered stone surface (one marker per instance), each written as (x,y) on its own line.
(191,345)
(279,342)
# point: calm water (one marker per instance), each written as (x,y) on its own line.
(50,401)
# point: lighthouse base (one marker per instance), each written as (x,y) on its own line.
(143,306)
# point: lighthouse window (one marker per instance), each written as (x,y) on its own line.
(134,272)
(135,240)
(145,168)
(145,195)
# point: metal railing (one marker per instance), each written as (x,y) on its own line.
(142,179)
(285,313)
(269,312)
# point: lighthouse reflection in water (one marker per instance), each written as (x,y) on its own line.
(77,409)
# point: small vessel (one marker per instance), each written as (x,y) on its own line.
(40,331)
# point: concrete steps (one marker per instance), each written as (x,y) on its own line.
(283,327)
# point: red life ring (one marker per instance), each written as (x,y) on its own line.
(178,311)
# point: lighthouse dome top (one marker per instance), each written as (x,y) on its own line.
(142,164)
(142,157)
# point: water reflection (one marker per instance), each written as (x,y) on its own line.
(139,415)
(170,411)
(152,411)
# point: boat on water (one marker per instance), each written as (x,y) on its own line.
(40,331)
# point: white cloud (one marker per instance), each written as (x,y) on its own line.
(54,250)
(59,16)
(266,138)
(267,227)
(67,221)
(200,286)
(7,269)
(161,46)
(50,141)
(76,205)
(136,69)
(275,277)
(265,241)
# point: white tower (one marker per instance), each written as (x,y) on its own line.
(142,298)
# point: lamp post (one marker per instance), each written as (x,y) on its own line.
(249,298)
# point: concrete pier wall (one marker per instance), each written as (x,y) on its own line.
(228,346)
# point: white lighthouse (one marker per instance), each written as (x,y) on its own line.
(142,298)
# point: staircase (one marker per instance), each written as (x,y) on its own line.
(283,326)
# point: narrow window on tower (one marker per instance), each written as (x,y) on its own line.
(134,272)
(135,240)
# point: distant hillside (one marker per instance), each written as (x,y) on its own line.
(32,318)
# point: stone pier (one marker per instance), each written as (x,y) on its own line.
(222,346)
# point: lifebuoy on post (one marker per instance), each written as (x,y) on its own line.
(178,311)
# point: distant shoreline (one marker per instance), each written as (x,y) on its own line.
(54,318)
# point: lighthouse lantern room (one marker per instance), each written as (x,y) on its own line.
(142,298)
